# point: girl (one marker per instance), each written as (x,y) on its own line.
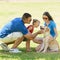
(30,28)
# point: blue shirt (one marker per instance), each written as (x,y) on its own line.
(16,25)
(51,25)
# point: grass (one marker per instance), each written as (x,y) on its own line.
(10,10)
(29,56)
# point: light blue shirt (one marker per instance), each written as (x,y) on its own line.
(51,25)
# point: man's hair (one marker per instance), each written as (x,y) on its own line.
(26,15)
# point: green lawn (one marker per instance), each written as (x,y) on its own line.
(10,10)
(29,56)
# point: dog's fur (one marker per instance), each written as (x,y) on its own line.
(53,44)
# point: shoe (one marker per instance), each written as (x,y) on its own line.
(4,46)
(15,51)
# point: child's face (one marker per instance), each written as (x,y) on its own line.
(36,24)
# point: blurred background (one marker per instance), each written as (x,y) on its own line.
(10,9)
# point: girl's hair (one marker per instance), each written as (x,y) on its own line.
(35,20)
(48,15)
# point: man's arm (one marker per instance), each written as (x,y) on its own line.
(32,36)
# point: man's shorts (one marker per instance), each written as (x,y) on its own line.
(11,37)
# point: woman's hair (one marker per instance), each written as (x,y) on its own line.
(48,15)
(35,20)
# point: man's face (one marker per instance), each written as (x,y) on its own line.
(28,20)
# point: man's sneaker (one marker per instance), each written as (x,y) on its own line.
(15,51)
(4,46)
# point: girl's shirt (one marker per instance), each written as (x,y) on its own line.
(30,28)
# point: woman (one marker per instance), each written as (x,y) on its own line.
(49,22)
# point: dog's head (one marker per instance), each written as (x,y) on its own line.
(46,29)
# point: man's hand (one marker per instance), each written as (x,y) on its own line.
(40,31)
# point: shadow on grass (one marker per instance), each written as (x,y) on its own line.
(29,55)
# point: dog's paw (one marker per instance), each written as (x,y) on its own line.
(38,51)
(43,51)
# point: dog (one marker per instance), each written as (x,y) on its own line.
(51,44)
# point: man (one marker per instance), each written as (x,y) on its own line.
(15,30)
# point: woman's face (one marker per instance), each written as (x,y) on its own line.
(45,18)
(36,24)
